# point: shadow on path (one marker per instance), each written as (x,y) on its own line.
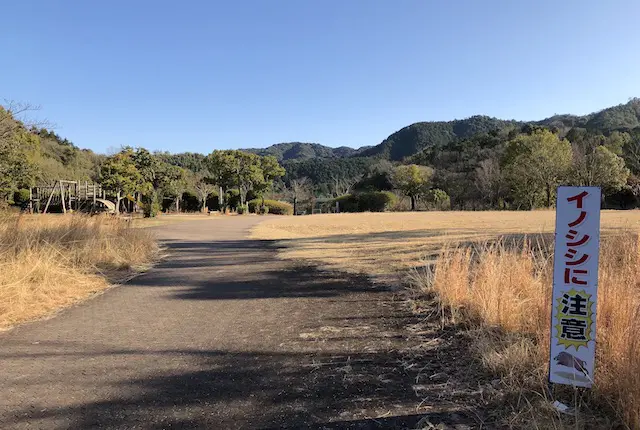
(224,335)
(237,390)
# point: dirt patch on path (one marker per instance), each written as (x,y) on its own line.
(222,334)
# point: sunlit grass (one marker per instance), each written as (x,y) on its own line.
(387,245)
(49,262)
(493,274)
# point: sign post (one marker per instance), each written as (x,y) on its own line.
(575,286)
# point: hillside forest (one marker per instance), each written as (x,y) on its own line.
(477,163)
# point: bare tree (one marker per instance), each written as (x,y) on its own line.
(204,187)
(300,190)
(343,185)
(17,112)
(278,191)
(632,156)
(490,181)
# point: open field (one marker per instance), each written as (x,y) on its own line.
(491,272)
(388,244)
(51,262)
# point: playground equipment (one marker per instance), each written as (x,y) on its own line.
(70,195)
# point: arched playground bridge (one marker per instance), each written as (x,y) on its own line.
(70,196)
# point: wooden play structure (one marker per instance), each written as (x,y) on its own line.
(70,196)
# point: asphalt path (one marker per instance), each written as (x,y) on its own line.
(221,334)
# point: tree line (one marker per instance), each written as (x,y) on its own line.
(227,174)
(514,166)
(520,168)
(30,155)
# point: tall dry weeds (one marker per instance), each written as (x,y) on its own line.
(49,262)
(503,292)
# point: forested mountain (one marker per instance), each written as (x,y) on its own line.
(304,151)
(443,143)
(416,137)
(422,135)
(61,159)
(192,161)
(324,172)
(623,117)
(51,156)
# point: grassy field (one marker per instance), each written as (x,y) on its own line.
(388,244)
(53,261)
(491,271)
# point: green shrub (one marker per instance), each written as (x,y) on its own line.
(150,205)
(240,210)
(438,199)
(190,202)
(213,202)
(274,207)
(264,210)
(21,197)
(375,201)
(232,199)
(251,195)
(254,205)
(346,203)
(150,210)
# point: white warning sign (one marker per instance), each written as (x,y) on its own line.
(575,286)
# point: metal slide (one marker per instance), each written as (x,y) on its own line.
(108,204)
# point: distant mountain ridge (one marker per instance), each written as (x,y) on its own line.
(622,117)
(304,151)
(420,135)
(417,137)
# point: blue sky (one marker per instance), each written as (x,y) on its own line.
(204,75)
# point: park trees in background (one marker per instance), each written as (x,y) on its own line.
(490,182)
(343,184)
(247,174)
(535,164)
(299,190)
(19,150)
(484,164)
(141,172)
(150,168)
(412,181)
(119,175)
(599,166)
(243,171)
(204,186)
(271,170)
(438,199)
(220,169)
(377,177)
(174,184)
(631,152)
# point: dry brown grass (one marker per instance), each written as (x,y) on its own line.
(50,262)
(498,284)
(504,293)
(387,245)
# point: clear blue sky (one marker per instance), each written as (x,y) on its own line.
(203,75)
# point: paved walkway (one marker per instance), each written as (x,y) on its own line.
(220,335)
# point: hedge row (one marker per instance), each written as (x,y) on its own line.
(275,207)
(374,201)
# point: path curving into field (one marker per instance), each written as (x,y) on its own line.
(221,335)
